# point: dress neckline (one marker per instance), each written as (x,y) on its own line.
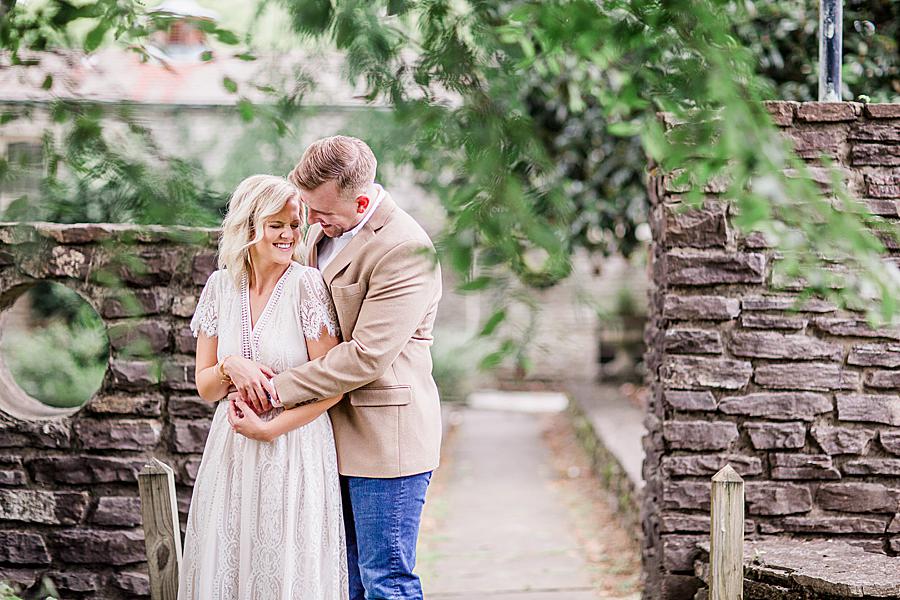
(250,331)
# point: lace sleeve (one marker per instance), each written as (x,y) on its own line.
(316,308)
(206,315)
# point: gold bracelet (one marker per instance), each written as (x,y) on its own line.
(223,376)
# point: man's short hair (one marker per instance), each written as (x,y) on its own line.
(347,160)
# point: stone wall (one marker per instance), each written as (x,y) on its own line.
(804,405)
(69,505)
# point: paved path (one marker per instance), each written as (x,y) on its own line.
(500,533)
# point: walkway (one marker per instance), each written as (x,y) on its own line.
(496,525)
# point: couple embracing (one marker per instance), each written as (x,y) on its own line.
(314,474)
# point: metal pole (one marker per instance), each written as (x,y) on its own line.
(831,18)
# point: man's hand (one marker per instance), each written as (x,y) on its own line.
(253,382)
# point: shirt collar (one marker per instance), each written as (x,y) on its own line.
(379,195)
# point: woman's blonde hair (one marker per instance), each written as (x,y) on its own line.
(255,199)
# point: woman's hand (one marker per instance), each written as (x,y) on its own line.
(247,423)
(252,381)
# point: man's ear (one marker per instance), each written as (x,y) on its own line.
(362,203)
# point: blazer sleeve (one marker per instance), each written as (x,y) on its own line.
(401,290)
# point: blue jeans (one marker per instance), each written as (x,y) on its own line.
(381,518)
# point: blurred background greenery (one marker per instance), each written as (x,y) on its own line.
(529,122)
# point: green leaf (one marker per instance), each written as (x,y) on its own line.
(493,322)
(230,84)
(245,56)
(95,36)
(397,7)
(206,56)
(245,107)
(227,37)
(477,284)
(48,82)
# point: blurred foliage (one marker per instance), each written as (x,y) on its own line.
(45,591)
(455,362)
(62,360)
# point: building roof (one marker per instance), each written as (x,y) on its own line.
(117,75)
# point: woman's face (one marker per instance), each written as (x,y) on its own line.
(281,234)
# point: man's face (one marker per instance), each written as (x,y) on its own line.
(336,214)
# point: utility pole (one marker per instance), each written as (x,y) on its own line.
(831,34)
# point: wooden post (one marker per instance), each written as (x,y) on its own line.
(726,536)
(162,534)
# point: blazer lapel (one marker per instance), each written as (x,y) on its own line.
(346,256)
(315,234)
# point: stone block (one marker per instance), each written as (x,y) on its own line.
(50,508)
(673,522)
(894,527)
(124,511)
(188,473)
(806,376)
(714,267)
(191,407)
(815,142)
(889,380)
(765,321)
(686,495)
(874,355)
(874,131)
(23,548)
(139,337)
(185,343)
(184,306)
(835,524)
(770,498)
(885,467)
(101,546)
(75,581)
(69,262)
(707,465)
(15,433)
(787,303)
(85,470)
(827,112)
(882,185)
(712,308)
(870,408)
(890,440)
(12,476)
(802,466)
(151,267)
(678,587)
(202,267)
(132,582)
(190,436)
(782,112)
(134,375)
(118,434)
(693,341)
(178,374)
(858,497)
(140,405)
(884,208)
(854,328)
(843,440)
(765,344)
(694,371)
(690,400)
(680,551)
(771,436)
(877,155)
(786,406)
(883,111)
(133,303)
(705,227)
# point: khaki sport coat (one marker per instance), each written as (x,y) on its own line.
(385,285)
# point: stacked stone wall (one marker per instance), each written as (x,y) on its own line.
(804,404)
(69,504)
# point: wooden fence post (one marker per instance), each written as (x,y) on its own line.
(726,536)
(162,534)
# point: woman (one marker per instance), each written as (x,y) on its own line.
(265,520)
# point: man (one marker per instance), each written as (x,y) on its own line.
(379,266)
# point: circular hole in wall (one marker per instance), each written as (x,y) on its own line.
(54,351)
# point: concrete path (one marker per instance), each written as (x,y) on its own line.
(500,534)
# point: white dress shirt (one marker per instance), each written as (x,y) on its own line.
(331,247)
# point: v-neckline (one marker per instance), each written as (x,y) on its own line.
(249,329)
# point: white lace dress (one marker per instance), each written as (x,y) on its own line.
(265,521)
